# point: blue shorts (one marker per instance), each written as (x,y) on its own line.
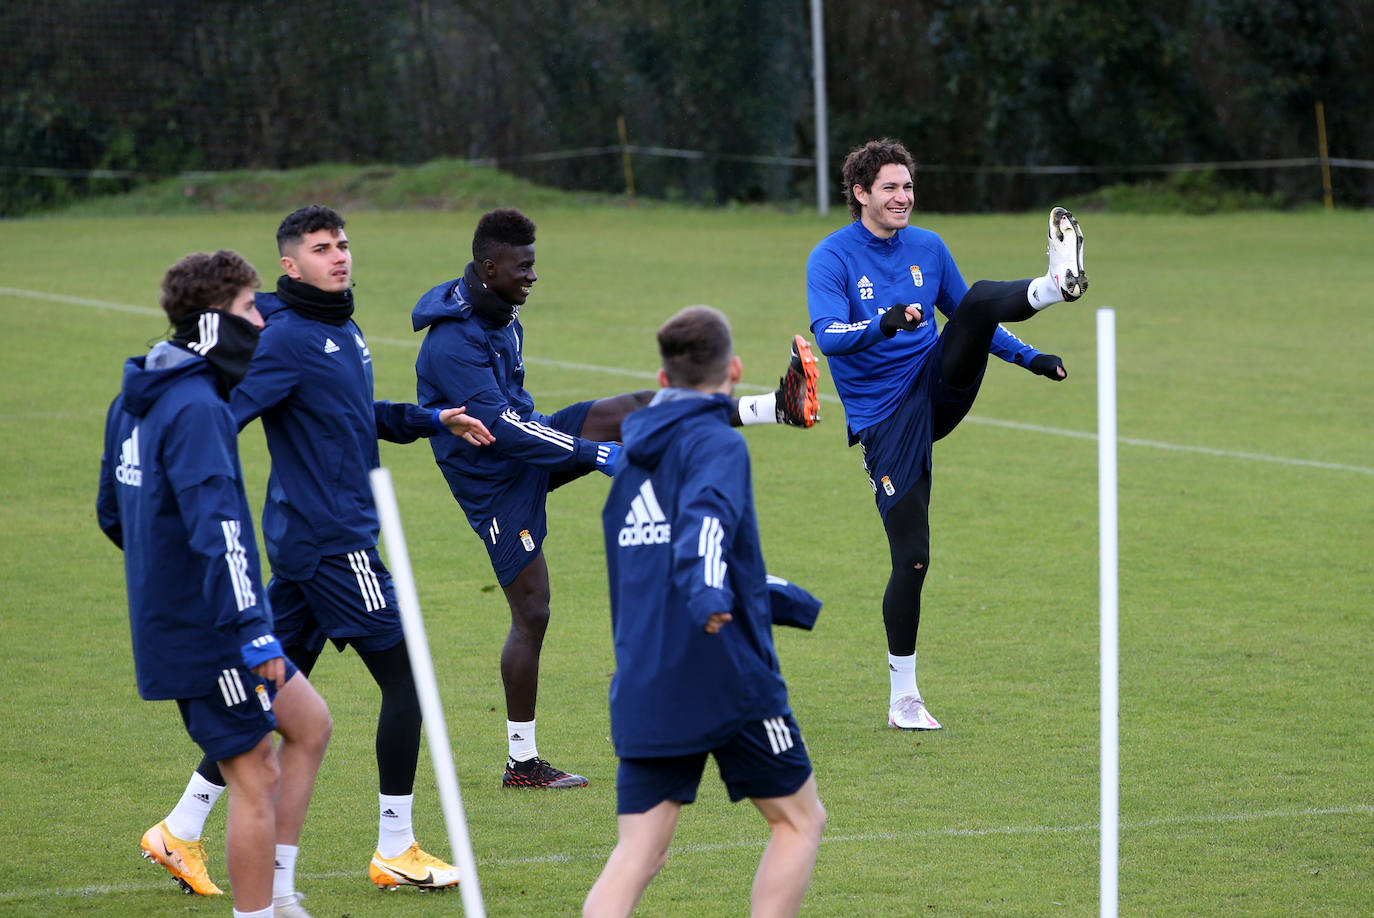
(514,533)
(897,449)
(765,759)
(234,717)
(349,600)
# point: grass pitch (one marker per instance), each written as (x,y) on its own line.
(1247,493)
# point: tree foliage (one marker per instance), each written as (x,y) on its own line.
(539,85)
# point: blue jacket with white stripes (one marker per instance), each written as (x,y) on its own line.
(171,496)
(466,358)
(311,383)
(852,278)
(682,543)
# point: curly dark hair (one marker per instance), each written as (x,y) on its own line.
(499,228)
(306,220)
(203,281)
(696,347)
(862,164)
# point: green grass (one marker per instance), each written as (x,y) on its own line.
(1247,493)
(440,184)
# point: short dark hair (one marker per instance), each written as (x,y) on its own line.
(203,281)
(498,228)
(306,220)
(696,347)
(862,164)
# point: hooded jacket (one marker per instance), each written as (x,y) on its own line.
(682,543)
(311,383)
(469,359)
(171,496)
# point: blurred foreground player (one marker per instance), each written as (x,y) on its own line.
(696,673)
(172,497)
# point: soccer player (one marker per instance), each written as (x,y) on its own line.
(696,672)
(172,497)
(472,351)
(311,383)
(872,289)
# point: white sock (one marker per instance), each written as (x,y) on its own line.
(520,734)
(758,409)
(284,876)
(395,833)
(1044,291)
(260,913)
(187,819)
(901,673)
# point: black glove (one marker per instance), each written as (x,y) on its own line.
(1049,366)
(895,320)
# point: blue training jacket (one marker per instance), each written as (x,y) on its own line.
(171,496)
(852,278)
(467,359)
(682,543)
(311,383)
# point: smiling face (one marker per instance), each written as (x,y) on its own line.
(509,273)
(321,259)
(885,207)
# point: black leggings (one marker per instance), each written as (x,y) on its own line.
(965,342)
(968,335)
(398,723)
(908,541)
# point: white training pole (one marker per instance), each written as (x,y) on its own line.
(422,664)
(1107,531)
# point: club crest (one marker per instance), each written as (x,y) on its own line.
(916,277)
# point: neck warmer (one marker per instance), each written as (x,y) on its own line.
(314,303)
(227,341)
(487,302)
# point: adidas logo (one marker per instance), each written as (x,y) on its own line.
(203,798)
(516,738)
(389,813)
(645,524)
(128,472)
(330,347)
(865,282)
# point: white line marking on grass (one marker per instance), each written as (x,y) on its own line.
(1174,447)
(163,882)
(652,376)
(864,838)
(80,301)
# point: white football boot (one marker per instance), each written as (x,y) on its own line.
(1066,254)
(909,713)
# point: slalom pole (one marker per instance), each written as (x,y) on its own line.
(1108,567)
(422,665)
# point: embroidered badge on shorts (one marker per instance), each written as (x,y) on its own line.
(526,540)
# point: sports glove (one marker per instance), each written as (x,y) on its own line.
(895,320)
(1049,366)
(606,456)
(259,650)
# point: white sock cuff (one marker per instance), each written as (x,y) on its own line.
(520,736)
(758,409)
(1044,291)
